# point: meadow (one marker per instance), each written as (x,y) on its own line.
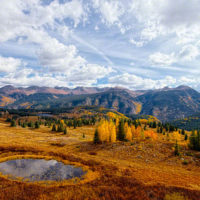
(141,169)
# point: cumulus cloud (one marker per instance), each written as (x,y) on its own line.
(111,11)
(159,17)
(30,23)
(133,81)
(9,64)
(61,54)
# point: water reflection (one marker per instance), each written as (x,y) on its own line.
(40,169)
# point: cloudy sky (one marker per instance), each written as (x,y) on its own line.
(138,44)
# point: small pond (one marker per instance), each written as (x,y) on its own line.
(40,170)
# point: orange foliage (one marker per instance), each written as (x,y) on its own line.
(151,134)
(136,131)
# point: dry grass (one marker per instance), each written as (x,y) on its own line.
(137,170)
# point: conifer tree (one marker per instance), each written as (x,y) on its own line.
(183,132)
(96,137)
(176,150)
(13,123)
(65,131)
(37,125)
(121,131)
(192,139)
(186,137)
(60,128)
(24,125)
(75,123)
(154,124)
(53,128)
(19,122)
(30,124)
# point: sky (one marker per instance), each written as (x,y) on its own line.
(136,44)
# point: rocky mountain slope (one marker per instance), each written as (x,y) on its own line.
(166,104)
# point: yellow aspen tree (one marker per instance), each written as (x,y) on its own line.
(112,130)
(117,122)
(176,136)
(137,133)
(103,131)
(107,132)
(128,134)
(133,131)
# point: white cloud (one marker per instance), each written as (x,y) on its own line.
(31,22)
(14,21)
(136,43)
(9,64)
(189,53)
(162,59)
(84,76)
(111,11)
(156,18)
(136,82)
(45,27)
(59,57)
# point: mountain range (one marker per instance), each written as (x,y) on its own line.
(166,104)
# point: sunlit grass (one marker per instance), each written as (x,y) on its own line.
(112,169)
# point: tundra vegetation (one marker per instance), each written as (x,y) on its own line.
(124,158)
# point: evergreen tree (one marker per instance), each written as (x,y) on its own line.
(176,150)
(193,142)
(167,128)
(53,128)
(24,125)
(186,137)
(19,122)
(75,123)
(13,123)
(60,128)
(121,131)
(154,124)
(183,132)
(161,129)
(164,133)
(65,131)
(30,124)
(8,120)
(69,123)
(96,137)
(37,124)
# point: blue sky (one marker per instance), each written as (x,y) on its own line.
(137,44)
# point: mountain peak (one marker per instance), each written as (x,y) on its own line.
(183,87)
(8,87)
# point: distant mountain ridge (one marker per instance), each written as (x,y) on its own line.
(57,90)
(166,104)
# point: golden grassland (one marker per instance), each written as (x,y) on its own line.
(140,170)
